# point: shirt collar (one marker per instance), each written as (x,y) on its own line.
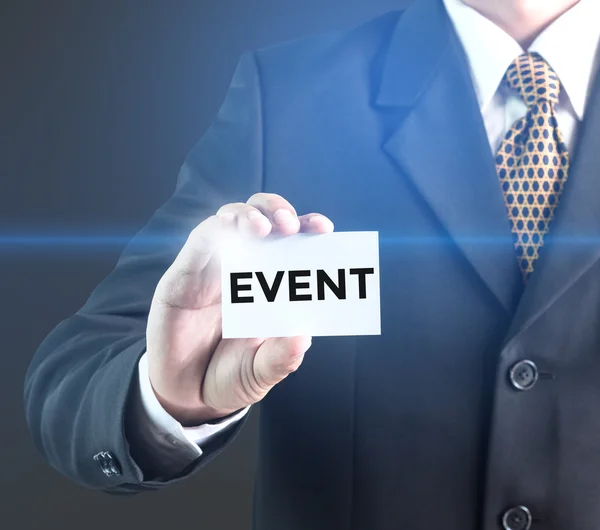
(569,45)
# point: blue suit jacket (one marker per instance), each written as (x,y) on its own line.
(420,428)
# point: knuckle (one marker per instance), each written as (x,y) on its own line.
(288,362)
(201,233)
(173,288)
(258,385)
(199,228)
(253,384)
(269,201)
(231,207)
(295,363)
(198,236)
(261,197)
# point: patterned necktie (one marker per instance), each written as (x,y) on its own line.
(532,161)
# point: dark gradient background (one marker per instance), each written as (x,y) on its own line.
(99,104)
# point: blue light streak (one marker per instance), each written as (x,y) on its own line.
(79,241)
(112,242)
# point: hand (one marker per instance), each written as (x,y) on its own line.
(196,375)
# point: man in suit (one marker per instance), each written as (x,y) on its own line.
(466,133)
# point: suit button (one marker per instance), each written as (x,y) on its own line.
(516,518)
(523,375)
(108,463)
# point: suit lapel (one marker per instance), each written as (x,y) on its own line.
(442,146)
(573,243)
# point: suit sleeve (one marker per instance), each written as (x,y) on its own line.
(79,382)
(159,444)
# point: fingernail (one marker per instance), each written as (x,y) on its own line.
(283,216)
(228,217)
(322,219)
(254,215)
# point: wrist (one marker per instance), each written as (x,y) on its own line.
(192,416)
(203,415)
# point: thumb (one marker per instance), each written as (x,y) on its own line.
(277,358)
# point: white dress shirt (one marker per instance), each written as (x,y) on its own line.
(162,426)
(569,45)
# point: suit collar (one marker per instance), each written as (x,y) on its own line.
(439,143)
(417,45)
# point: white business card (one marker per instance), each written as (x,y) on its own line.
(305,284)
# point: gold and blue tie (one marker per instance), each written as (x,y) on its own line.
(532,161)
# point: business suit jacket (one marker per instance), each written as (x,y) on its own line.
(377,127)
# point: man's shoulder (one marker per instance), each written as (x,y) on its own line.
(309,54)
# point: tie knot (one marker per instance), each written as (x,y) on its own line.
(533,78)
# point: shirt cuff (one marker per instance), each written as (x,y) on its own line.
(193,437)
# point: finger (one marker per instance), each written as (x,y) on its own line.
(280,212)
(202,243)
(315,223)
(184,278)
(276,358)
(249,220)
